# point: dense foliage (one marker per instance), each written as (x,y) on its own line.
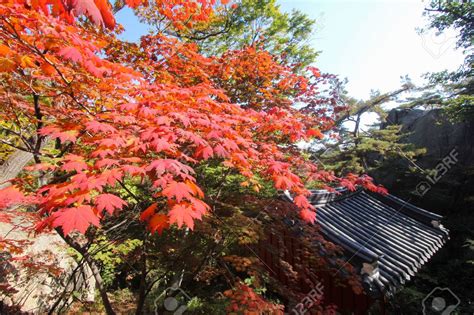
(286,36)
(132,143)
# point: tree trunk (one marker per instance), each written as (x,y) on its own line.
(143,285)
(100,285)
(95,271)
(355,133)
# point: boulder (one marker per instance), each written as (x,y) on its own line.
(43,272)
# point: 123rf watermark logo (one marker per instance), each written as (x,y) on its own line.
(440,301)
(439,43)
(440,170)
(174,302)
(314,296)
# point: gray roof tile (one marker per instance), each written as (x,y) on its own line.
(386,231)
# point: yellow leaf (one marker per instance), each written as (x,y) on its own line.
(245,184)
(7,65)
(26,62)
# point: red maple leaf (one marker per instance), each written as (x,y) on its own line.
(77,218)
(159,166)
(283,182)
(178,190)
(205,152)
(382,190)
(315,133)
(221,151)
(97,126)
(55,132)
(106,162)
(301,201)
(182,214)
(195,189)
(200,207)
(74,163)
(348,184)
(133,170)
(112,176)
(308,215)
(71,53)
(88,8)
(109,203)
(9,196)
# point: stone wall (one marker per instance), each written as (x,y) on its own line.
(43,270)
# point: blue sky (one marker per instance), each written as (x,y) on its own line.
(371,42)
(374,42)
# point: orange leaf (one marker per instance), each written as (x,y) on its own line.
(282,182)
(105,11)
(26,62)
(6,65)
(4,50)
(148,212)
(48,69)
(133,3)
(158,223)
(195,189)
(315,133)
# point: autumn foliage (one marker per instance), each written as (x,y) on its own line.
(117,127)
(112,115)
(247,302)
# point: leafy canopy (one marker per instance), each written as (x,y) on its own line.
(246,23)
(103,117)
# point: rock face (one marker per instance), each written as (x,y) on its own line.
(434,131)
(442,138)
(42,281)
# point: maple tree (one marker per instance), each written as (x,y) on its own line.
(242,23)
(103,118)
(244,299)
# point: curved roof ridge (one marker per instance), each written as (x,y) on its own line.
(397,238)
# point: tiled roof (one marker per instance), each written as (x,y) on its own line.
(386,237)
